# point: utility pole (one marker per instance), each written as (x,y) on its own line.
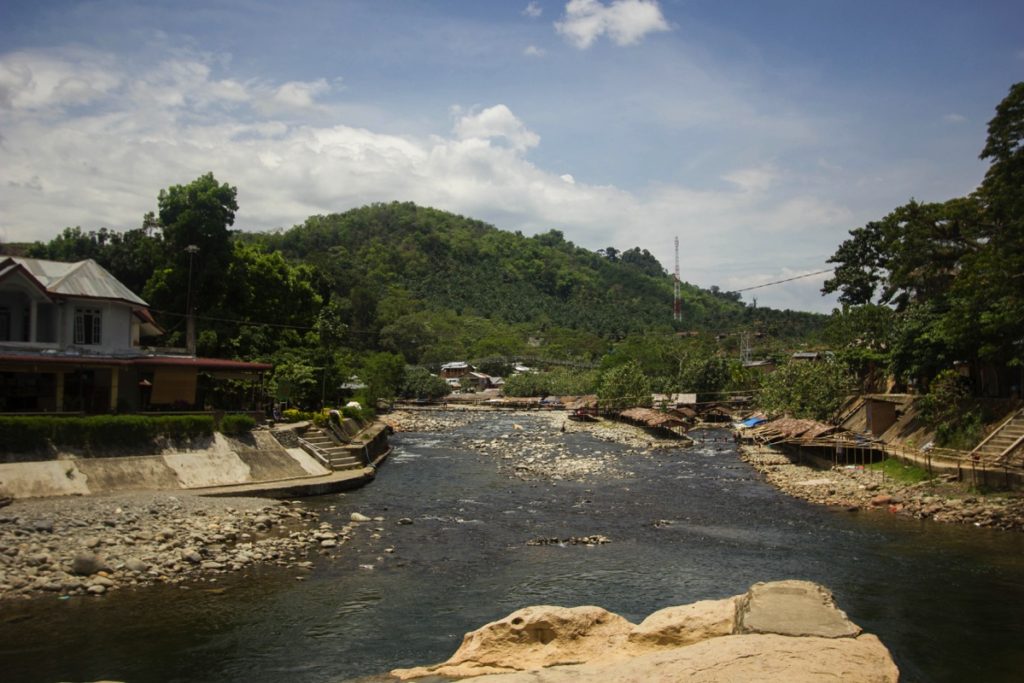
(677,302)
(190,321)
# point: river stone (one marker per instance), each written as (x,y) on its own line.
(134,564)
(191,555)
(358,517)
(45,525)
(86,563)
(793,608)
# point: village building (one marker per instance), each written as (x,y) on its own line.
(71,341)
(456,370)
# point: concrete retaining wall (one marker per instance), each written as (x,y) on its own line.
(224,463)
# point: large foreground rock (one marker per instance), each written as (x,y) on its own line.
(782,631)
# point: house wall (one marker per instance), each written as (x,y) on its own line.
(116,331)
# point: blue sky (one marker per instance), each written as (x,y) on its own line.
(758,132)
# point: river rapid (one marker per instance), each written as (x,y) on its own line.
(683,524)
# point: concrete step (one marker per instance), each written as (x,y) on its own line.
(342,465)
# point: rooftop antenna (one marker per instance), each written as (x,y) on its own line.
(677,303)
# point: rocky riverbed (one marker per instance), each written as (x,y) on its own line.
(856,488)
(536,447)
(91,546)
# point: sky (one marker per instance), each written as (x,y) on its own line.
(758,133)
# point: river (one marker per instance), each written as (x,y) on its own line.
(947,600)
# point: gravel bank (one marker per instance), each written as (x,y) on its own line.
(93,545)
(535,447)
(856,488)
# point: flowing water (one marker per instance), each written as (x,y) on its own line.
(947,600)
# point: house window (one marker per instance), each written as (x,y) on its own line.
(88,325)
(5,324)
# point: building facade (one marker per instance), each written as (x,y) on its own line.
(71,341)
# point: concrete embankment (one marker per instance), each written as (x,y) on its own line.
(217,465)
(779,631)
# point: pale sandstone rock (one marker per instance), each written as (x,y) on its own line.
(686,624)
(734,659)
(532,638)
(781,631)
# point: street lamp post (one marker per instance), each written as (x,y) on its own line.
(190,322)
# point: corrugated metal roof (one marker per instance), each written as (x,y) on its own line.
(86,279)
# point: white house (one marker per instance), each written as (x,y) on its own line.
(70,340)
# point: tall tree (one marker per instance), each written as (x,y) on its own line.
(195,215)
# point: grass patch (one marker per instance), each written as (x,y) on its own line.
(902,472)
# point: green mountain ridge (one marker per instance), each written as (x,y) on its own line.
(449,262)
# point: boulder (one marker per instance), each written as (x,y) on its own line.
(779,631)
(532,638)
(686,624)
(86,563)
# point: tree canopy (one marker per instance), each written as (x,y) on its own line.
(952,272)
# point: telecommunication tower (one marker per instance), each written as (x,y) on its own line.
(677,302)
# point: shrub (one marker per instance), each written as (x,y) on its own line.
(296,415)
(26,434)
(234,425)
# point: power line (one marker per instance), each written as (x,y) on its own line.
(788,279)
(239,322)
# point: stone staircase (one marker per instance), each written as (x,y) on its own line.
(1004,446)
(320,445)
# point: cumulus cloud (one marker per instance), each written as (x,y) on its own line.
(533,10)
(625,22)
(35,80)
(534,51)
(103,165)
(497,122)
(300,93)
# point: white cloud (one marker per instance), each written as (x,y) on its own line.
(534,51)
(496,122)
(533,10)
(34,80)
(954,118)
(167,124)
(300,93)
(752,179)
(624,21)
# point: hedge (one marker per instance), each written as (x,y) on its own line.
(233,425)
(32,433)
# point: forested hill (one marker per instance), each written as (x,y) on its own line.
(402,279)
(445,261)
